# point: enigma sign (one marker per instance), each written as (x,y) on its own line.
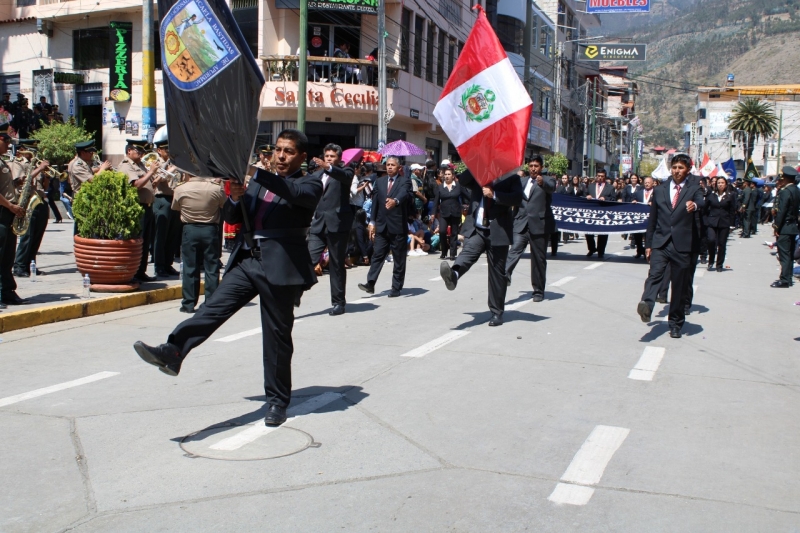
(120,61)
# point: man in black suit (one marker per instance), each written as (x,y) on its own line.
(599,190)
(270,260)
(785,226)
(332,221)
(533,224)
(643,195)
(671,241)
(748,208)
(388,227)
(488,227)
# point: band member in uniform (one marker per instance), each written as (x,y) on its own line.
(272,263)
(265,157)
(199,201)
(142,179)
(80,168)
(533,224)
(785,225)
(332,221)
(167,234)
(599,190)
(672,240)
(488,227)
(29,243)
(388,227)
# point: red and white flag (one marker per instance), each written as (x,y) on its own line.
(708,166)
(484,107)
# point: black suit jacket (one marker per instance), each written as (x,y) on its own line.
(580,190)
(639,196)
(609,194)
(630,192)
(535,214)
(393,220)
(562,189)
(508,194)
(449,201)
(678,225)
(284,256)
(333,211)
(720,213)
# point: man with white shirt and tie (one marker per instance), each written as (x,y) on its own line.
(642,196)
(533,224)
(599,190)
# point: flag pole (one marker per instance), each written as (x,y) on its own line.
(303,71)
(382,92)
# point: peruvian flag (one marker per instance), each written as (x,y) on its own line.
(708,166)
(484,108)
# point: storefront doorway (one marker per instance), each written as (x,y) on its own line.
(90,109)
(321,133)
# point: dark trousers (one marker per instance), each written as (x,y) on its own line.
(200,248)
(679,264)
(337,252)
(166,232)
(452,241)
(717,244)
(241,284)
(638,240)
(496,256)
(362,240)
(749,222)
(538,245)
(399,246)
(785,245)
(554,238)
(600,247)
(8,249)
(54,208)
(30,242)
(147,236)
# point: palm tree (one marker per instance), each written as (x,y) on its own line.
(751,120)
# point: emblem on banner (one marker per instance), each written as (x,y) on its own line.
(194,46)
(477,103)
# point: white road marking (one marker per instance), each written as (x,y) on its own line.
(243,334)
(55,388)
(588,465)
(258,429)
(515,306)
(435,344)
(562,281)
(648,363)
(437,278)
(593,266)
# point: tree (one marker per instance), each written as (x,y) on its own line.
(647,165)
(556,163)
(750,121)
(57,141)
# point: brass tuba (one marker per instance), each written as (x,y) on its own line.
(149,159)
(28,200)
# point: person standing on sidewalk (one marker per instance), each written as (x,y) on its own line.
(29,243)
(167,222)
(142,179)
(786,225)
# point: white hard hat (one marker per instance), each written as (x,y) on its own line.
(160,135)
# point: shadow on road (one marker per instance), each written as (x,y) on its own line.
(662,328)
(354,307)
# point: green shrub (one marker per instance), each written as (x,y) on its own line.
(108,207)
(57,141)
(556,163)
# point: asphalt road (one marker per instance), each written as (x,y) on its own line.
(410,414)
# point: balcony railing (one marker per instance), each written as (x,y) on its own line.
(328,70)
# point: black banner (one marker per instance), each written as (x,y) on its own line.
(212,88)
(612,52)
(368,7)
(120,86)
(579,215)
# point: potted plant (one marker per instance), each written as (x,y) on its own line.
(108,215)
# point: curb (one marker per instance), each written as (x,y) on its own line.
(68,311)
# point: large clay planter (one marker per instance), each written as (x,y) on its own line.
(111,264)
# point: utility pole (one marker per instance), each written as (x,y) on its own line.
(557,117)
(382,92)
(780,139)
(635,167)
(594,125)
(148,72)
(303,61)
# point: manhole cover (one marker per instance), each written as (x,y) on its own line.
(227,443)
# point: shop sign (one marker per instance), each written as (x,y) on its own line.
(414,113)
(539,132)
(334,98)
(68,78)
(627,163)
(618,6)
(612,52)
(120,62)
(369,7)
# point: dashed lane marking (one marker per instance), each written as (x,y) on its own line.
(55,388)
(435,344)
(562,281)
(593,266)
(648,363)
(243,334)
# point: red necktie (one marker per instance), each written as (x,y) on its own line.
(262,209)
(675,198)
(389,187)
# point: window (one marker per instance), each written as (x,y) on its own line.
(451,53)
(701,114)
(535,36)
(90,48)
(546,41)
(570,26)
(440,60)
(9,83)
(430,40)
(405,38)
(510,30)
(419,26)
(245,12)
(451,11)
(562,11)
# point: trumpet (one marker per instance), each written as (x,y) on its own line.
(49,171)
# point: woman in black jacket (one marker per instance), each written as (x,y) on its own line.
(576,188)
(447,201)
(720,213)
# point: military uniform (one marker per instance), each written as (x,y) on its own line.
(30,242)
(79,173)
(786,226)
(199,201)
(167,222)
(10,172)
(136,171)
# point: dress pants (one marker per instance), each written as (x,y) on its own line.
(717,244)
(399,246)
(555,237)
(455,226)
(747,223)
(638,240)
(538,244)
(600,248)
(166,233)
(362,240)
(337,251)
(147,236)
(688,298)
(200,250)
(8,249)
(785,245)
(496,256)
(679,264)
(29,243)
(241,284)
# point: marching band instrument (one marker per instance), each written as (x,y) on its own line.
(149,159)
(50,172)
(28,200)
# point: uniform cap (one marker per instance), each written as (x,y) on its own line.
(789,172)
(162,144)
(265,149)
(139,144)
(30,145)
(87,146)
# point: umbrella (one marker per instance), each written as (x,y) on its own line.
(352,154)
(402,148)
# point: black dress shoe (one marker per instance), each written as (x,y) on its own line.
(275,416)
(20,273)
(452,258)
(13,299)
(142,276)
(703,260)
(185,310)
(675,333)
(589,254)
(661,300)
(537,297)
(710,267)
(448,275)
(165,356)
(687,309)
(719,269)
(775,285)
(369,288)
(337,310)
(394,294)
(496,320)
(442,256)
(172,272)
(644,311)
